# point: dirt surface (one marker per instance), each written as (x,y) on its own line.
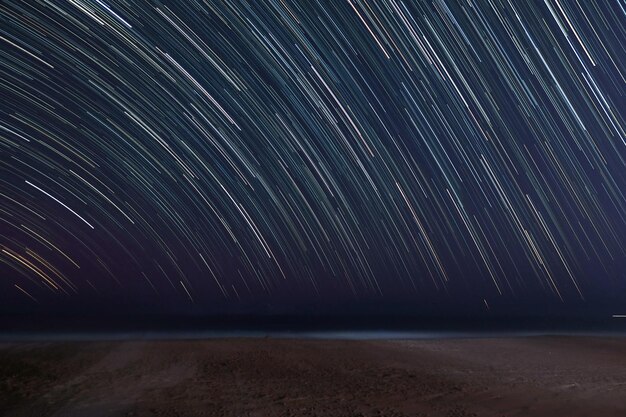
(539,376)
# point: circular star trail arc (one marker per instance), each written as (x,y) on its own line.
(221,149)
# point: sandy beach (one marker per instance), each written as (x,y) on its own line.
(534,376)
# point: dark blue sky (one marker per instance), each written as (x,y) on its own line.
(281,155)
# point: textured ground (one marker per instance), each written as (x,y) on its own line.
(540,376)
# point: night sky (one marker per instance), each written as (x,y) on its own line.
(219,155)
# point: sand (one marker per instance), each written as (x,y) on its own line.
(536,376)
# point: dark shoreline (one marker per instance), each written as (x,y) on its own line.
(309,322)
(341,335)
(152,327)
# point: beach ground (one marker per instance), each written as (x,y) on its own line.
(532,376)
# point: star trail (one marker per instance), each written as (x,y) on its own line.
(200,151)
